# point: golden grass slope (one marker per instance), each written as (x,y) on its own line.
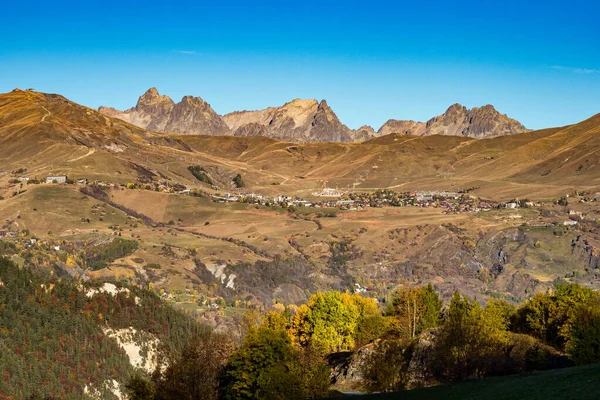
(48,134)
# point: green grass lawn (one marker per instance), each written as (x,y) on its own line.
(570,383)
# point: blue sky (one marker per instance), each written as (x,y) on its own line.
(537,61)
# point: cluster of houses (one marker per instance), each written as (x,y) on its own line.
(252,198)
(48,179)
(514,204)
(328,192)
(450,202)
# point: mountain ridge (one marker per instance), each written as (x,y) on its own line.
(302,121)
(53,134)
(155,112)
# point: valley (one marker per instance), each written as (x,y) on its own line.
(199,251)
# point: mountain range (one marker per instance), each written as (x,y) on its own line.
(302,121)
(49,134)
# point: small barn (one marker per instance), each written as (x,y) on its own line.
(56,179)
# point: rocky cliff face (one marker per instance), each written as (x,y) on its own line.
(363,133)
(404,127)
(479,123)
(296,121)
(302,121)
(159,113)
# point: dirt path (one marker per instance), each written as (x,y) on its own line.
(47,115)
(89,153)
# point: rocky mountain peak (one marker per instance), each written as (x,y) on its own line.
(160,113)
(153,102)
(479,122)
(456,108)
(323,104)
(363,133)
(406,127)
(324,108)
(195,102)
(152,92)
(303,120)
(488,107)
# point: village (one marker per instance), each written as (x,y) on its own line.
(449,202)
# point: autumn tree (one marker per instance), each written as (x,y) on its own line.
(195,372)
(267,366)
(472,339)
(414,310)
(329,321)
(584,340)
(550,317)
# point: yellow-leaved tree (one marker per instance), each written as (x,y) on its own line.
(330,321)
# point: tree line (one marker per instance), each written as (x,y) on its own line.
(53,343)
(413,341)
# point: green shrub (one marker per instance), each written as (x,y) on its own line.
(100,257)
(239,181)
(200,174)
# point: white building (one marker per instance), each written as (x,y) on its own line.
(57,179)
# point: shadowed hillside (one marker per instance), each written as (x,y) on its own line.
(576,383)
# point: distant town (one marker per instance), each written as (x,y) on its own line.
(449,202)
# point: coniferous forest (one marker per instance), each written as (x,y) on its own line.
(54,341)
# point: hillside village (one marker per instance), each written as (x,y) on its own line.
(449,202)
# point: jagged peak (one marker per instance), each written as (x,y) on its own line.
(366,128)
(488,108)
(457,107)
(152,97)
(191,100)
(300,103)
(152,92)
(323,104)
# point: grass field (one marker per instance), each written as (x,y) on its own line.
(578,383)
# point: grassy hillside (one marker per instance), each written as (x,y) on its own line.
(48,134)
(577,383)
(195,245)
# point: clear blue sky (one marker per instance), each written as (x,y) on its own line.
(537,61)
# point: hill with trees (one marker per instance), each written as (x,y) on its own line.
(58,341)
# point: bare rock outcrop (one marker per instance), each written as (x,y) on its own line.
(403,127)
(154,112)
(297,121)
(479,123)
(302,121)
